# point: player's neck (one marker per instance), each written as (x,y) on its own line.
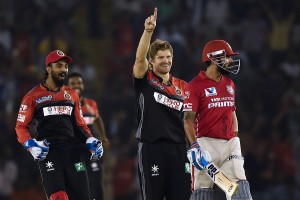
(165,77)
(213,74)
(51,85)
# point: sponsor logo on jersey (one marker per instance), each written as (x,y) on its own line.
(154,170)
(210,92)
(221,104)
(57,110)
(21,118)
(230,89)
(49,166)
(42,99)
(172,103)
(89,120)
(23,108)
(187,107)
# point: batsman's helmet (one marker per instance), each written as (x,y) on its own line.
(217,51)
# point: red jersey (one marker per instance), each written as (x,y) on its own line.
(90,113)
(213,102)
(58,115)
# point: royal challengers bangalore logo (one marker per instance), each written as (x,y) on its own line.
(60,53)
(67,95)
(178,91)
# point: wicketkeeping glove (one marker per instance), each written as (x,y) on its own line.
(199,157)
(95,147)
(38,149)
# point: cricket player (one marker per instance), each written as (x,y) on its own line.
(211,123)
(56,109)
(162,161)
(95,123)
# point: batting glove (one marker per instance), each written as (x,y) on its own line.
(38,149)
(199,157)
(95,147)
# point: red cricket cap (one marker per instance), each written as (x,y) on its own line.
(55,56)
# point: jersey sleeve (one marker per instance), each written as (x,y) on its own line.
(191,102)
(139,83)
(79,119)
(25,116)
(96,109)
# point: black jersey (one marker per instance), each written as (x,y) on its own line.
(159,109)
(58,115)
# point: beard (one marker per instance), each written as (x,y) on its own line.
(58,82)
(223,71)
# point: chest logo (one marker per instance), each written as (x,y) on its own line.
(210,92)
(172,103)
(230,89)
(67,95)
(44,98)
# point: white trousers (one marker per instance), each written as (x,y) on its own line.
(226,155)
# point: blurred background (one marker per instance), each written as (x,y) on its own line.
(102,35)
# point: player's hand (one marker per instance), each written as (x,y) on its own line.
(38,149)
(95,147)
(199,157)
(150,22)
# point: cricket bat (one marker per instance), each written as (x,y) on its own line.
(220,179)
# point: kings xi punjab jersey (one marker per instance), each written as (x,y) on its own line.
(58,114)
(214,103)
(159,109)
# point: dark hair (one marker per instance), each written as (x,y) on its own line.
(207,63)
(72,75)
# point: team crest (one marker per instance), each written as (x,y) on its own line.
(230,89)
(67,95)
(178,91)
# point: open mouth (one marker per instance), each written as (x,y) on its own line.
(62,75)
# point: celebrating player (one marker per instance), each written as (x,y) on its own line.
(92,118)
(159,97)
(211,124)
(56,108)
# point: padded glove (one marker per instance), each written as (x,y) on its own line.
(38,149)
(199,157)
(95,147)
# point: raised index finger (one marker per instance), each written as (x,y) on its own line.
(155,13)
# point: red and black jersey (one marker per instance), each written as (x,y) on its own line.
(90,113)
(213,102)
(58,115)
(159,109)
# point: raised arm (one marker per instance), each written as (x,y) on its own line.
(141,63)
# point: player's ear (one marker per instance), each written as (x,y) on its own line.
(48,68)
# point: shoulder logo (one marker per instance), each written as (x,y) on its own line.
(67,95)
(49,166)
(230,89)
(210,92)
